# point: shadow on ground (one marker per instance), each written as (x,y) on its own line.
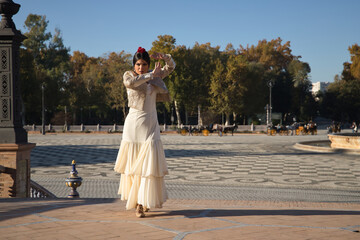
(199,213)
(62,155)
(24,207)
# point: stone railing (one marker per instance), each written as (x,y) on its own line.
(37,191)
(119,128)
(76,128)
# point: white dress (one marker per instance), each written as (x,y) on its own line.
(141,159)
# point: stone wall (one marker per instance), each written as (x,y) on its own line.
(15,175)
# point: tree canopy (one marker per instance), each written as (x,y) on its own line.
(233,82)
(342,100)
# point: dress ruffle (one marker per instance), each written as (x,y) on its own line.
(142,167)
(142,159)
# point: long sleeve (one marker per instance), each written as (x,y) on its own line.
(131,81)
(169,66)
(136,87)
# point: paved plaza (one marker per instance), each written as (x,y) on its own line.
(251,187)
(98,219)
(239,167)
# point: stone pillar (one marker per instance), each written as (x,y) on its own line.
(14,147)
(15,179)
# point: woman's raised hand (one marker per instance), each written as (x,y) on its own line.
(157,55)
(157,69)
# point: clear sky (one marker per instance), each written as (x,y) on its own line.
(319,30)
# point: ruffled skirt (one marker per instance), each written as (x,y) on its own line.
(141,162)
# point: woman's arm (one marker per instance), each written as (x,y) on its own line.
(132,81)
(169,66)
(169,63)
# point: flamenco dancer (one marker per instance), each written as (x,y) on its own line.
(141,159)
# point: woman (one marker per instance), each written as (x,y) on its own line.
(141,159)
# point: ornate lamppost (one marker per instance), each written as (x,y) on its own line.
(172,116)
(11,129)
(43,109)
(81,114)
(270,85)
(14,147)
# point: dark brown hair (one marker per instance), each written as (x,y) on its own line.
(143,54)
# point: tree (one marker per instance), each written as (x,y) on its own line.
(30,88)
(179,81)
(50,60)
(192,73)
(164,44)
(303,103)
(238,88)
(274,55)
(94,79)
(116,65)
(201,63)
(286,71)
(355,60)
(37,37)
(342,100)
(256,87)
(299,72)
(219,90)
(75,89)
(167,44)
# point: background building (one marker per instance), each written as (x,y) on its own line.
(319,86)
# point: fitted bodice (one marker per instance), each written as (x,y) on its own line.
(150,99)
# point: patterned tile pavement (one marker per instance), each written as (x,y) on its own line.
(229,167)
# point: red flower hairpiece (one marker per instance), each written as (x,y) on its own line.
(141,50)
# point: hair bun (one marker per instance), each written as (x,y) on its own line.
(141,50)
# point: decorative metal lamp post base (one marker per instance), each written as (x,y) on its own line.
(73,181)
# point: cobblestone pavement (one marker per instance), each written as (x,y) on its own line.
(242,167)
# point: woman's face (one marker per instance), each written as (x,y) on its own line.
(141,66)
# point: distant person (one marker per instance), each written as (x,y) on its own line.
(354,127)
(141,159)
